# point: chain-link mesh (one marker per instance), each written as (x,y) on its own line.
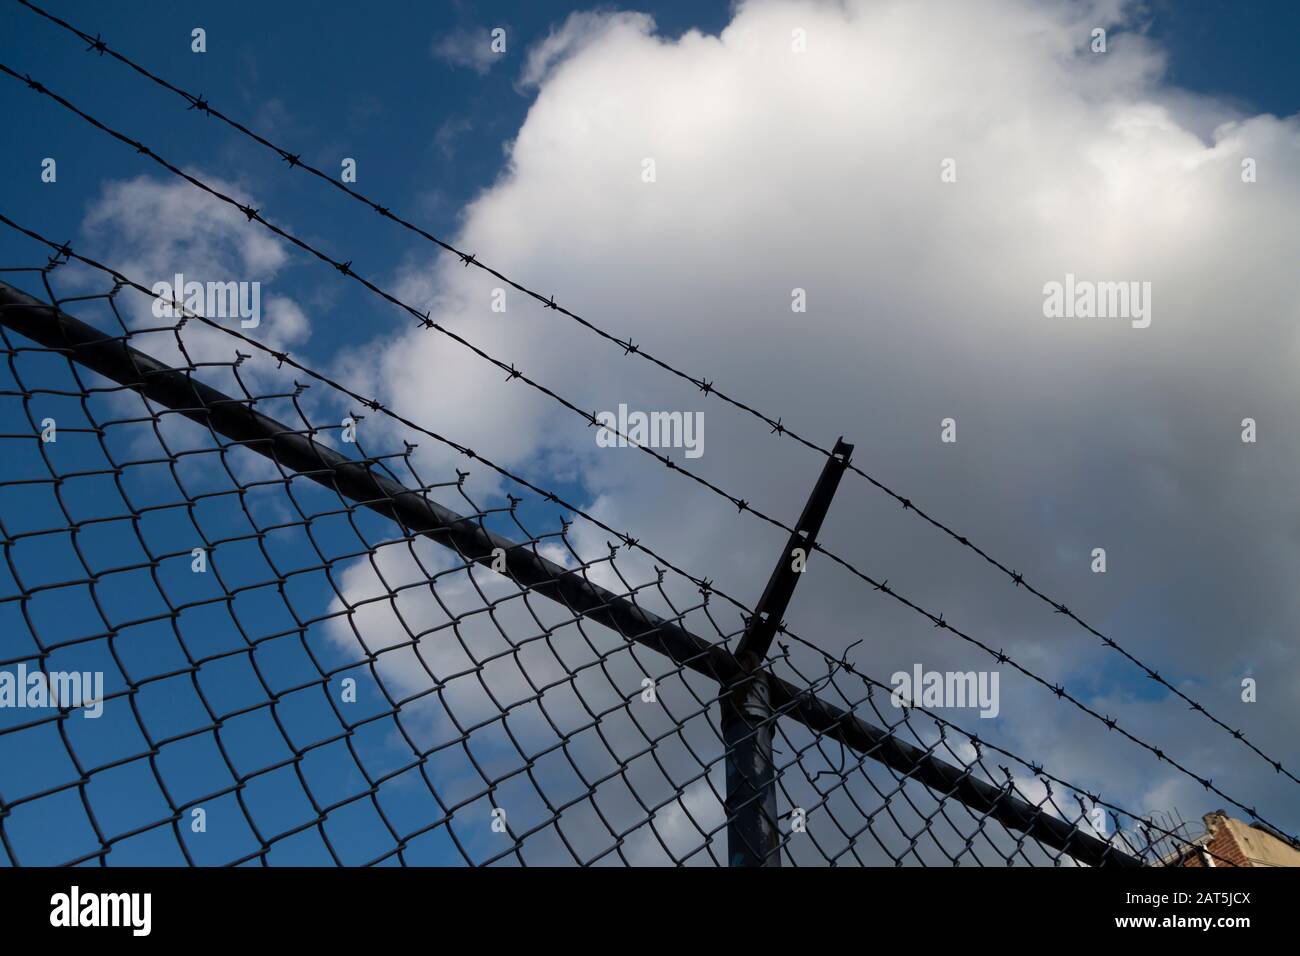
(312,654)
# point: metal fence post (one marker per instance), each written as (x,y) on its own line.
(753,836)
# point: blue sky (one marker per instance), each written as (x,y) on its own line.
(429,136)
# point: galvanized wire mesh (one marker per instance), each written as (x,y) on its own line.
(318,660)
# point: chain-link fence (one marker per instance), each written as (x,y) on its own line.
(243,626)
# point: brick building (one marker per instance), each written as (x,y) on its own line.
(1229,842)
